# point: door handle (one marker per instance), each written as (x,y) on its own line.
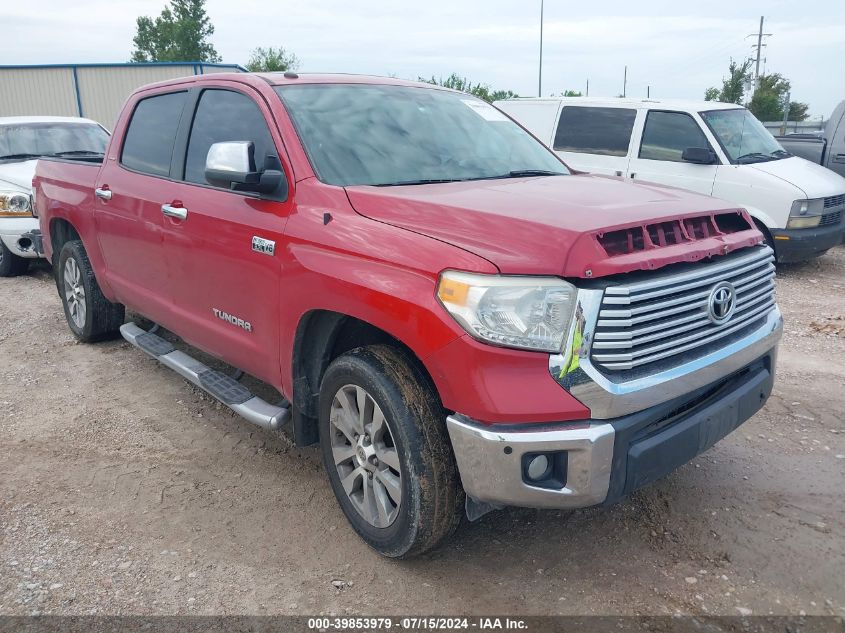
(839,158)
(174,212)
(103,193)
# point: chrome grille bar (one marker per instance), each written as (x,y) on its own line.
(667,314)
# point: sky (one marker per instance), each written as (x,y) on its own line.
(675,49)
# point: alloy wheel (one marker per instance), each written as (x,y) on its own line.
(365,456)
(74,292)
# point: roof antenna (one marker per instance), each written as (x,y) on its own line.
(289,74)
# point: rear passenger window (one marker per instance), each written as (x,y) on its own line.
(148,146)
(668,134)
(223,115)
(605,131)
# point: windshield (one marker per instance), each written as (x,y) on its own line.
(22,141)
(743,137)
(389,135)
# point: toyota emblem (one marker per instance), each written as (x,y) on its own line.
(722,302)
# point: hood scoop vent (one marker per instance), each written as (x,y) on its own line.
(662,234)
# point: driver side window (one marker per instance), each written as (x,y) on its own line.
(668,134)
(224,115)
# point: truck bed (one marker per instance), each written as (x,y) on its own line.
(65,187)
(804,145)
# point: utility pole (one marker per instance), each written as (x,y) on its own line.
(625,83)
(759,46)
(587,94)
(648,92)
(785,113)
(540,77)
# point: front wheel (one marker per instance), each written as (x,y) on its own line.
(10,264)
(387,453)
(90,316)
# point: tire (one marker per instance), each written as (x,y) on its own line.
(90,316)
(10,264)
(431,500)
(766,234)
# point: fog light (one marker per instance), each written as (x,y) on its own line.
(545,470)
(538,466)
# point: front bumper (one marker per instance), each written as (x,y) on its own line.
(15,233)
(605,460)
(797,245)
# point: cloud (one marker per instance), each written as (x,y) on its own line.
(676,49)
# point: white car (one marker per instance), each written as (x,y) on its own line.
(23,140)
(718,149)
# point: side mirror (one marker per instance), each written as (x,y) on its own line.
(699,156)
(232,165)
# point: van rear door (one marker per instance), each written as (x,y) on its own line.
(657,155)
(595,139)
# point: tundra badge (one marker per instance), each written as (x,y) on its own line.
(260,245)
(246,325)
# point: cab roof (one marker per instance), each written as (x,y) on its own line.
(280,79)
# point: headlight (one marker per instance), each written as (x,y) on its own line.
(805,214)
(523,312)
(14,204)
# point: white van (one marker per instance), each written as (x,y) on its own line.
(719,149)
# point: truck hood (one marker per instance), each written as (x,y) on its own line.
(551,225)
(813,180)
(18,175)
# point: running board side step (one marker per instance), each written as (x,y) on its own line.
(227,390)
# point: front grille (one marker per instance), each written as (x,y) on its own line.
(665,316)
(829,219)
(834,201)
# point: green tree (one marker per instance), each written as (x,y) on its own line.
(572,93)
(798,111)
(769,100)
(179,34)
(271,60)
(482,91)
(733,87)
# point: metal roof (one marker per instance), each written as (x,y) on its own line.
(18,120)
(683,104)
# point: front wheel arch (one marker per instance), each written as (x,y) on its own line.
(322,336)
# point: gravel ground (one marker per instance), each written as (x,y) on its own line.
(124,490)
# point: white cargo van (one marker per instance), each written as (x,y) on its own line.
(719,149)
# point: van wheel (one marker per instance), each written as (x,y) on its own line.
(89,314)
(766,234)
(387,453)
(10,264)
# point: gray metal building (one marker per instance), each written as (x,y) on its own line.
(94,91)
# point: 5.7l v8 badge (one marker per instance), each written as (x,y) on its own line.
(260,245)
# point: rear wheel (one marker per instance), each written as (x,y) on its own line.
(387,453)
(90,316)
(10,264)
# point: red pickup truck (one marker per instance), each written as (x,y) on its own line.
(459,320)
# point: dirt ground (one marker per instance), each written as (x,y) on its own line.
(124,490)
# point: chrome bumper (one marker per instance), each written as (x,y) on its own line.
(14,233)
(490,463)
(607,398)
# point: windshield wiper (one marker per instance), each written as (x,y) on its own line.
(780,153)
(424,181)
(524,173)
(753,157)
(19,156)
